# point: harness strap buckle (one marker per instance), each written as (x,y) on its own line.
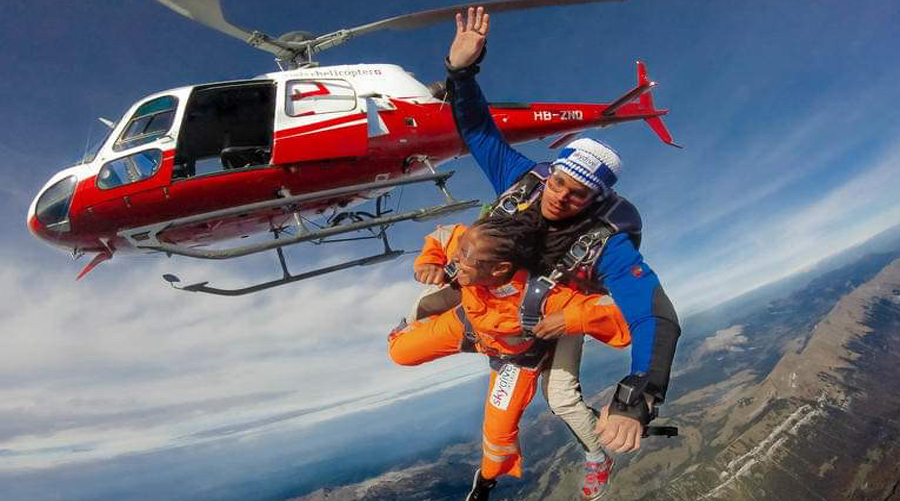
(528,323)
(547,282)
(583,250)
(507,205)
(519,196)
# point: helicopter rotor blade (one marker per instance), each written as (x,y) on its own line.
(445,14)
(298,49)
(427,17)
(209,13)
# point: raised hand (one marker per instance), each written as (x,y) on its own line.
(470,37)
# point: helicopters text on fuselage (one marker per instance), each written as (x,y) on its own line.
(195,166)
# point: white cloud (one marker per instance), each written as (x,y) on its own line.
(728,339)
(120,363)
(776,244)
(724,176)
(754,200)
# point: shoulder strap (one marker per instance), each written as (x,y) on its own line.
(531,309)
(469,338)
(613,215)
(523,193)
(622,216)
(584,252)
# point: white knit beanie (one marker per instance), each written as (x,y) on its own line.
(590,162)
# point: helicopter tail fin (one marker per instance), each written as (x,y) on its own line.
(645,108)
(657,125)
(644,82)
(646,105)
(99,258)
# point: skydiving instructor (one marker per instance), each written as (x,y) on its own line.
(596,234)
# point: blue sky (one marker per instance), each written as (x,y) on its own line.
(785,109)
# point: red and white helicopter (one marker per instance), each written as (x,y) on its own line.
(189,167)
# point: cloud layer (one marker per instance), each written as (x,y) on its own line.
(125,364)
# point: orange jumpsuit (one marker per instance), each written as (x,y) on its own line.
(494,317)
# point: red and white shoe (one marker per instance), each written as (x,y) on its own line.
(596,478)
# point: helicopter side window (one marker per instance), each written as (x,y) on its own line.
(151,120)
(314,97)
(129,169)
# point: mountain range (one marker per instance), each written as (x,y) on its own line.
(789,392)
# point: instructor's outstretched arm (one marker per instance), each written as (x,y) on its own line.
(502,164)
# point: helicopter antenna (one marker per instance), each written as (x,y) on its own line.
(295,49)
(87,142)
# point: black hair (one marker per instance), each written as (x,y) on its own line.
(557,236)
(517,239)
(530,241)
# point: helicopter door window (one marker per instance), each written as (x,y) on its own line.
(150,121)
(314,97)
(226,126)
(129,169)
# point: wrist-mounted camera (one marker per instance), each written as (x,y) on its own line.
(630,400)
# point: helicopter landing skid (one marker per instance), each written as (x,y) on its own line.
(380,220)
(388,255)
